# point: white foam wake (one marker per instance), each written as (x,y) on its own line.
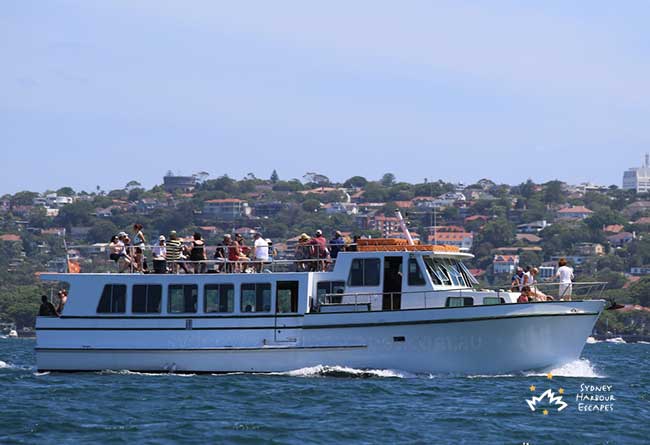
(343,371)
(592,340)
(162,373)
(641,342)
(577,368)
(615,340)
(5,365)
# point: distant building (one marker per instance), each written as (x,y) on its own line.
(173,183)
(643,270)
(590,249)
(385,224)
(505,264)
(229,208)
(574,212)
(462,240)
(268,208)
(638,178)
(621,238)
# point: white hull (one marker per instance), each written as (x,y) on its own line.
(482,339)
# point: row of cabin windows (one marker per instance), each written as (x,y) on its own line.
(366,272)
(183,298)
(469,301)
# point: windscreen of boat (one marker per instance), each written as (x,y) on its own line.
(437,273)
(448,272)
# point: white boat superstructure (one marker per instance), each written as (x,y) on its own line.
(385,306)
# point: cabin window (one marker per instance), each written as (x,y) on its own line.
(219,298)
(256,297)
(455,273)
(182,298)
(437,272)
(459,301)
(146,298)
(493,300)
(113,299)
(286,296)
(330,288)
(415,276)
(364,272)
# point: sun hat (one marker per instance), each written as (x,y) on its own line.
(161,238)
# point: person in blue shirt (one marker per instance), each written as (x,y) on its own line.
(336,244)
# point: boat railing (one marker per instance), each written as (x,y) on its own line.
(363,301)
(578,290)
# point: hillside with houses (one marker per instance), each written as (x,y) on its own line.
(604,232)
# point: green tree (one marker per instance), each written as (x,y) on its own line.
(355,181)
(498,232)
(311,205)
(553,193)
(65,191)
(387,180)
(274,177)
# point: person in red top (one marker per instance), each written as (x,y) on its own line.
(236,256)
(320,251)
(525,295)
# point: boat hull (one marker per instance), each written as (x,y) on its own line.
(486,340)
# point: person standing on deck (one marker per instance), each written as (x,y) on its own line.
(260,251)
(336,244)
(565,275)
(174,247)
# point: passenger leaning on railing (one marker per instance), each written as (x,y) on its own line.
(174,249)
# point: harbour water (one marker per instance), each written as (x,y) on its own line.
(607,396)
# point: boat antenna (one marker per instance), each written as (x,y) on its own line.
(405,229)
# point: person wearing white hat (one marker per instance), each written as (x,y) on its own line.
(160,256)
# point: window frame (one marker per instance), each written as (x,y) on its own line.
(220,287)
(169,299)
(414,260)
(449,300)
(146,299)
(259,295)
(294,303)
(331,286)
(364,267)
(111,301)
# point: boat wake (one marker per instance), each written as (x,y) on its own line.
(578,368)
(156,374)
(344,371)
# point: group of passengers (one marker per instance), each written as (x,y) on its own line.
(127,252)
(313,254)
(47,309)
(525,282)
(232,255)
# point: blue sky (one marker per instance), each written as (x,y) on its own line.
(99,93)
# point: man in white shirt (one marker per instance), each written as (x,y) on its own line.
(261,250)
(565,275)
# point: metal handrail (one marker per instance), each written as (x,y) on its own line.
(567,288)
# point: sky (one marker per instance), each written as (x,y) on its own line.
(100,93)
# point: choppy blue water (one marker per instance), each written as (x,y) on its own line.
(326,405)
